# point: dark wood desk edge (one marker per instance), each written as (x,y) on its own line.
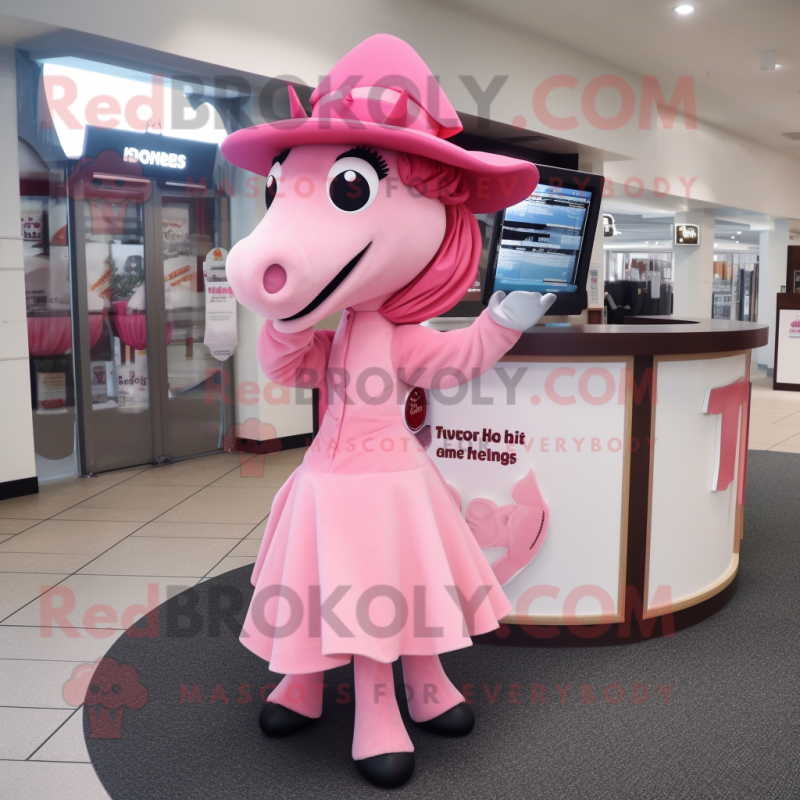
(646,338)
(788,300)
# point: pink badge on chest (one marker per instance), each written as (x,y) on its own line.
(416,409)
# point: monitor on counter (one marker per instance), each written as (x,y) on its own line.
(544,244)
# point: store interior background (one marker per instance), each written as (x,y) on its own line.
(734,170)
(741,163)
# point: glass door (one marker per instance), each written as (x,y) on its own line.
(735,277)
(190,227)
(147,389)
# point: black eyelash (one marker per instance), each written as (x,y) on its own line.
(371,157)
(281,157)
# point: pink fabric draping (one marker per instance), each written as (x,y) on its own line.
(49,336)
(52,336)
(95,329)
(132,328)
(433,179)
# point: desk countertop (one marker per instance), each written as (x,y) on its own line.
(645,336)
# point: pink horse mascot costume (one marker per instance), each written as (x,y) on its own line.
(366,555)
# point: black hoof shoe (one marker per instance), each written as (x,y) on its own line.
(458,721)
(388,770)
(277,720)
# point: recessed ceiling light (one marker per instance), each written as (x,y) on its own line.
(733,237)
(683,10)
(715,244)
(777,66)
(738,233)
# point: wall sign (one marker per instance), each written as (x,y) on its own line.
(595,288)
(221,333)
(156,157)
(687,234)
(787,362)
(161,157)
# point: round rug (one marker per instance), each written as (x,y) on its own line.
(711,712)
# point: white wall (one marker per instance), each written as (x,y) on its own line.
(774,246)
(718,168)
(306,37)
(694,267)
(16,425)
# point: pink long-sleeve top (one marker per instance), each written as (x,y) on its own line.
(364,372)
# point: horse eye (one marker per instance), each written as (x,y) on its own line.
(272,190)
(349,191)
(273,181)
(352,184)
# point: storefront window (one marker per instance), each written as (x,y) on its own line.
(638,284)
(113,256)
(734,290)
(43,225)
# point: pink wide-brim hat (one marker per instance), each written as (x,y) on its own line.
(382,94)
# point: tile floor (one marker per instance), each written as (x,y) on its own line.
(774,416)
(128,540)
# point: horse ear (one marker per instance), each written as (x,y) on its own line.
(398,116)
(525,491)
(298,112)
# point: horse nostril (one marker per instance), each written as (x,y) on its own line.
(274,278)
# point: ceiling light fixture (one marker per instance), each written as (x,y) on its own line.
(683,10)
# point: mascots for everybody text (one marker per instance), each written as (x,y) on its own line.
(366,555)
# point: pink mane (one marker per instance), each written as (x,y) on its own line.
(455,266)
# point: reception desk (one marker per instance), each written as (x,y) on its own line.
(636,436)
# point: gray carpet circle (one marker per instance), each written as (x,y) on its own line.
(711,712)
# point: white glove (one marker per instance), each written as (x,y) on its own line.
(519,310)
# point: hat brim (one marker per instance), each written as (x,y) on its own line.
(495,182)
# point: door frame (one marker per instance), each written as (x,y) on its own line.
(156,334)
(156,321)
